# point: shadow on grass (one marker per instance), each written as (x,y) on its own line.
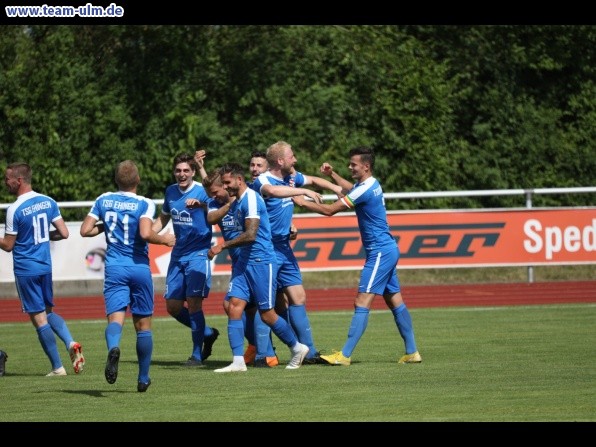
(207,365)
(99,393)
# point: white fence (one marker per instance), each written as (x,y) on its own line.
(527,193)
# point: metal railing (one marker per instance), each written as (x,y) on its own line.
(528,193)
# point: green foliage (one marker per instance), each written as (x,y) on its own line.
(445,107)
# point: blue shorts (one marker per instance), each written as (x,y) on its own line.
(254,283)
(35,292)
(288,271)
(189,277)
(128,286)
(379,274)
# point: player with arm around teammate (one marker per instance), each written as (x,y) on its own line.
(277,186)
(379,274)
(254,270)
(260,351)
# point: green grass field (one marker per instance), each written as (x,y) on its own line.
(489,364)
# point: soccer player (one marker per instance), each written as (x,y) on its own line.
(260,351)
(127,220)
(278,185)
(28,234)
(379,274)
(189,271)
(253,271)
(256,331)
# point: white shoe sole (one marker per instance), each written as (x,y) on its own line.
(297,359)
(231,368)
(57,372)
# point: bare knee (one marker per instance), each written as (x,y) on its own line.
(296,295)
(174,307)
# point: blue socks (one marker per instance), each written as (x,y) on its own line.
(144,353)
(60,328)
(184,318)
(403,320)
(249,329)
(113,334)
(236,337)
(48,343)
(262,338)
(144,347)
(284,332)
(197,331)
(301,325)
(357,328)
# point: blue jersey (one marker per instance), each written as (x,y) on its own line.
(29,218)
(121,213)
(228,226)
(280,211)
(193,233)
(368,201)
(251,205)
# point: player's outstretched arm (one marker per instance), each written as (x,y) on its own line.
(321,208)
(147,233)
(345,185)
(321,183)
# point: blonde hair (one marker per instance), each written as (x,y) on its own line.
(214,177)
(276,151)
(127,175)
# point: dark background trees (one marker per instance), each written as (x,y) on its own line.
(445,107)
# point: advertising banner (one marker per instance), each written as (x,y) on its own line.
(441,239)
(427,239)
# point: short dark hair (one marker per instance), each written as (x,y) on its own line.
(21,169)
(367,155)
(258,154)
(234,169)
(185,158)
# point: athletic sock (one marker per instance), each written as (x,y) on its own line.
(357,328)
(60,328)
(113,334)
(144,353)
(249,328)
(262,338)
(284,332)
(403,320)
(236,337)
(183,317)
(197,332)
(48,343)
(301,325)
